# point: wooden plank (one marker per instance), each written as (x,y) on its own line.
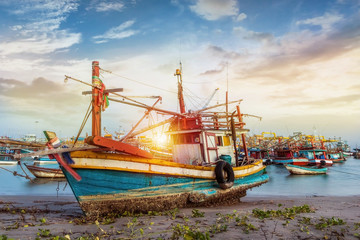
(118,146)
(105,91)
(55,151)
(22,143)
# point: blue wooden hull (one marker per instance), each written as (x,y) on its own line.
(102,190)
(294,161)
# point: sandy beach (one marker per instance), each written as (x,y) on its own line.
(43,217)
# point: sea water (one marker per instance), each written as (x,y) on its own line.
(342,179)
(11,184)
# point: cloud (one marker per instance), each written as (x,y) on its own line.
(118,32)
(41,99)
(101,6)
(39,87)
(251,35)
(41,33)
(241,17)
(41,43)
(215,9)
(331,102)
(45,15)
(303,55)
(219,52)
(325,22)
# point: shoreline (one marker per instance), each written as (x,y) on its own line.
(253,217)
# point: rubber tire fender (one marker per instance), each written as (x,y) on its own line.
(224,182)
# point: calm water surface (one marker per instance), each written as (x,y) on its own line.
(343,179)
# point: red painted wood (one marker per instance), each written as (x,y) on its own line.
(96,112)
(61,161)
(117,146)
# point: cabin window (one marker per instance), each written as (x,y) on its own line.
(219,141)
(309,155)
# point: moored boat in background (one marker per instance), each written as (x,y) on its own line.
(39,160)
(316,156)
(336,156)
(303,170)
(45,172)
(289,156)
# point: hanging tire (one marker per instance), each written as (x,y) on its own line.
(224,174)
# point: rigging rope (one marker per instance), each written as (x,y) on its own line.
(17,174)
(133,80)
(87,115)
(145,84)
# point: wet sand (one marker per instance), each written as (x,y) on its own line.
(29,217)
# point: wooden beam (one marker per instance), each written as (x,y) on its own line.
(117,146)
(54,151)
(105,91)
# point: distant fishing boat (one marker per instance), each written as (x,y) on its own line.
(261,154)
(42,172)
(6,160)
(336,156)
(316,156)
(6,156)
(44,160)
(348,154)
(303,170)
(289,156)
(121,177)
(356,153)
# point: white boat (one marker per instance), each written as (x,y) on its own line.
(44,160)
(41,172)
(8,162)
(302,170)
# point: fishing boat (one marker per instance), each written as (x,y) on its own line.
(6,156)
(117,176)
(316,156)
(39,160)
(42,172)
(7,160)
(336,156)
(261,154)
(305,170)
(356,153)
(289,156)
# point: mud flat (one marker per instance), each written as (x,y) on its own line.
(315,217)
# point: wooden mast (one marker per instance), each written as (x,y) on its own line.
(180,90)
(243,134)
(96,111)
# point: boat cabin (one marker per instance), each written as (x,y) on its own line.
(313,154)
(196,143)
(258,153)
(197,147)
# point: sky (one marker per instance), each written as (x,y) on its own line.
(294,63)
